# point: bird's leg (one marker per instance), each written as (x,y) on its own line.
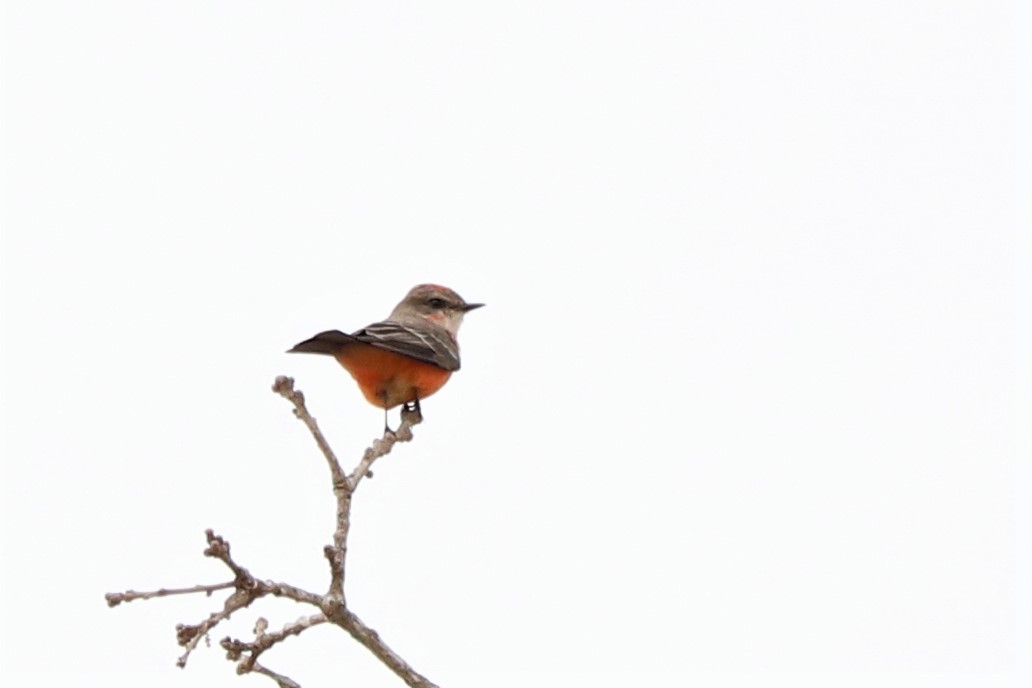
(386,426)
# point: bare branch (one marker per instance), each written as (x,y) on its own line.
(371,639)
(383,446)
(246,588)
(281,680)
(116,598)
(237,649)
(249,586)
(284,386)
(344,486)
(188,636)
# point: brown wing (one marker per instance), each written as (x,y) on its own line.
(421,344)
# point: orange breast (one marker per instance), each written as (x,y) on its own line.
(388,379)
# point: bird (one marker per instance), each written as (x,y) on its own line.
(404,358)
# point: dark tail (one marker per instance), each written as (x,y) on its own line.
(328,342)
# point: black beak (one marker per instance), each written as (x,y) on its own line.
(471,306)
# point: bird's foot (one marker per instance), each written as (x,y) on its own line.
(411,412)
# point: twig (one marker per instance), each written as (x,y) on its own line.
(383,446)
(343,486)
(371,639)
(116,598)
(284,386)
(236,649)
(189,635)
(247,588)
(281,680)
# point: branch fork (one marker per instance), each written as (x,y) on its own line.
(246,589)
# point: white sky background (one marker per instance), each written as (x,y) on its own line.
(749,404)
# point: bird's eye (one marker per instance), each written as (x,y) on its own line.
(436,302)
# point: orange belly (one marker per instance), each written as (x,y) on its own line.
(388,379)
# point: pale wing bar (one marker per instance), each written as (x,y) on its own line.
(425,345)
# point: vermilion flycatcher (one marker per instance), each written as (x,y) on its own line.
(406,357)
